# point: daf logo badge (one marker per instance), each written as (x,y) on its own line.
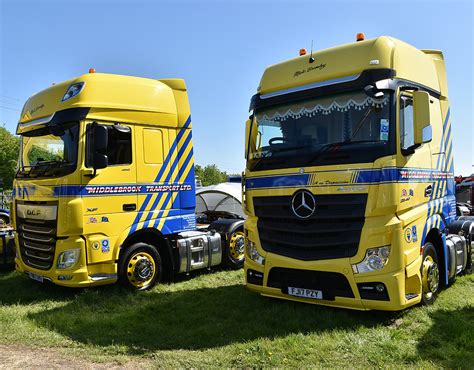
(303,204)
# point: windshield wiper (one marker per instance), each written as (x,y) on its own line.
(41,167)
(288,148)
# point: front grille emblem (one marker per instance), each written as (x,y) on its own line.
(303,204)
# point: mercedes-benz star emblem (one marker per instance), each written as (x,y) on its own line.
(303,204)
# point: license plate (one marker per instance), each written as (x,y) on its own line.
(35,277)
(305,293)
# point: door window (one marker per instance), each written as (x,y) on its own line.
(407,132)
(119,146)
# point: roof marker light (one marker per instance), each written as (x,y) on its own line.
(360,36)
(302,52)
(91,70)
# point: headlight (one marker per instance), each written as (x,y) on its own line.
(68,258)
(375,259)
(73,90)
(252,252)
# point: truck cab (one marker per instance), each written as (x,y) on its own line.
(349,185)
(105,187)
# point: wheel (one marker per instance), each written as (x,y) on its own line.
(4,219)
(234,253)
(141,267)
(429,275)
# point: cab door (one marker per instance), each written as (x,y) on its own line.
(110,195)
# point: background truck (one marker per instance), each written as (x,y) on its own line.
(105,188)
(349,184)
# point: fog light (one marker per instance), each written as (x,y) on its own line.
(64,277)
(379,288)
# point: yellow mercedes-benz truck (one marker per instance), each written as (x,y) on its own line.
(105,186)
(349,186)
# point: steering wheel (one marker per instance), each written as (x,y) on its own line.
(274,140)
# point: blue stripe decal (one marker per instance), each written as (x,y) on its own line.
(277,181)
(168,178)
(160,173)
(375,176)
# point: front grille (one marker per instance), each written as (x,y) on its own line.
(333,231)
(332,284)
(37,241)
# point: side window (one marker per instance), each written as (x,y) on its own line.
(407,136)
(119,146)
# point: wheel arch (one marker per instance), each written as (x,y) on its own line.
(438,239)
(156,239)
(226,226)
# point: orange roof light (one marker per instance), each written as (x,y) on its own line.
(91,70)
(360,36)
(302,52)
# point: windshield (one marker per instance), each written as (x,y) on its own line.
(49,151)
(345,128)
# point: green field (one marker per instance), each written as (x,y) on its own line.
(210,319)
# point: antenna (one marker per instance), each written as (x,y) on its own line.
(311,59)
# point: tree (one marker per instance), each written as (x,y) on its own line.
(9,148)
(210,174)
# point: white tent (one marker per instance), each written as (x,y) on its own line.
(225,197)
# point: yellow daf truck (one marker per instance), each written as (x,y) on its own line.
(105,187)
(349,186)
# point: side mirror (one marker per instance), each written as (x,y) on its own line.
(248,124)
(421,117)
(100,161)
(101,141)
(101,138)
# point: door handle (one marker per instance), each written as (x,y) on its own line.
(129,207)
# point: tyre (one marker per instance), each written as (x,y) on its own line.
(4,219)
(234,252)
(141,267)
(429,275)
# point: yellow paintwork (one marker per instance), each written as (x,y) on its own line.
(387,215)
(112,98)
(145,105)
(351,59)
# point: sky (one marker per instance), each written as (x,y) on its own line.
(221,49)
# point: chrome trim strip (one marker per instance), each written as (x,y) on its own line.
(38,257)
(41,267)
(100,277)
(33,239)
(37,121)
(49,248)
(47,231)
(310,86)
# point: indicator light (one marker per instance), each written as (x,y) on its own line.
(302,52)
(360,36)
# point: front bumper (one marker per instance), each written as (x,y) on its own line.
(395,283)
(80,275)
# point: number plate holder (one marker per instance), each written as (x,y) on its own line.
(305,293)
(35,277)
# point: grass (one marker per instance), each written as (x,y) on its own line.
(212,320)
